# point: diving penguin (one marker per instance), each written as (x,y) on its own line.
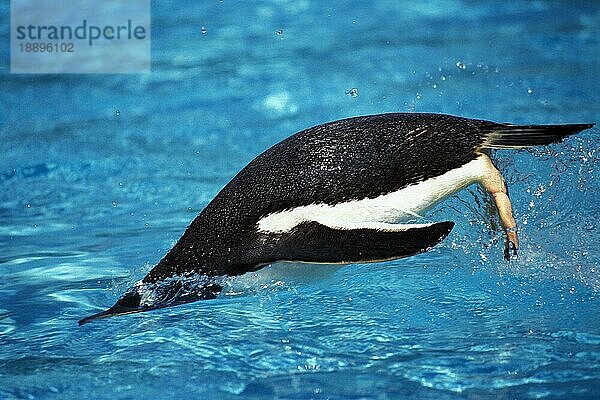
(338,193)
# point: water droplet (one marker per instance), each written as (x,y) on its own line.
(529,90)
(203,29)
(352,92)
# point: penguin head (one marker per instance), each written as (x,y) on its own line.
(150,296)
(130,302)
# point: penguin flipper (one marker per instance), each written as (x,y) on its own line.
(318,243)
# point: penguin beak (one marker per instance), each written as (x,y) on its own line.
(129,303)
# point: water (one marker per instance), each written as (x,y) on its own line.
(100,175)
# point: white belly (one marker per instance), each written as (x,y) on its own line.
(381,211)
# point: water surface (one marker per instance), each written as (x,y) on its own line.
(89,201)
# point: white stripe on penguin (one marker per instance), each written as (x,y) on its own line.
(383,212)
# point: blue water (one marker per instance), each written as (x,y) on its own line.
(89,201)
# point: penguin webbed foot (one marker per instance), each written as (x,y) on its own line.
(493,182)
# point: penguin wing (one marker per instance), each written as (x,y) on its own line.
(317,243)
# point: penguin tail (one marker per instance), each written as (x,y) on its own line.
(506,136)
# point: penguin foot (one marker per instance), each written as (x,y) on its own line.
(509,246)
(493,182)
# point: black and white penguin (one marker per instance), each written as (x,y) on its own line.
(340,192)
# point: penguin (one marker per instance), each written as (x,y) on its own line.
(347,191)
